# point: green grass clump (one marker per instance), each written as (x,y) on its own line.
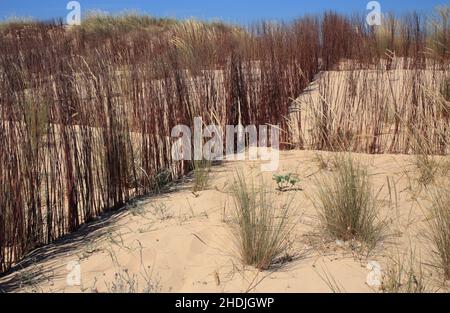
(286,182)
(262,225)
(347,206)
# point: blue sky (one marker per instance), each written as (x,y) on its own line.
(236,11)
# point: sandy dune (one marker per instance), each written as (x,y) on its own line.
(182,241)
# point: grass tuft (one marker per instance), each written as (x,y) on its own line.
(347,206)
(263,224)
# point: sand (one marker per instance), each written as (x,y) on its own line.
(181,241)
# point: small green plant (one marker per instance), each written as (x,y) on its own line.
(286,182)
(262,224)
(346,204)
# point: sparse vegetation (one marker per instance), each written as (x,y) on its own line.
(126,282)
(97,22)
(404,274)
(161,211)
